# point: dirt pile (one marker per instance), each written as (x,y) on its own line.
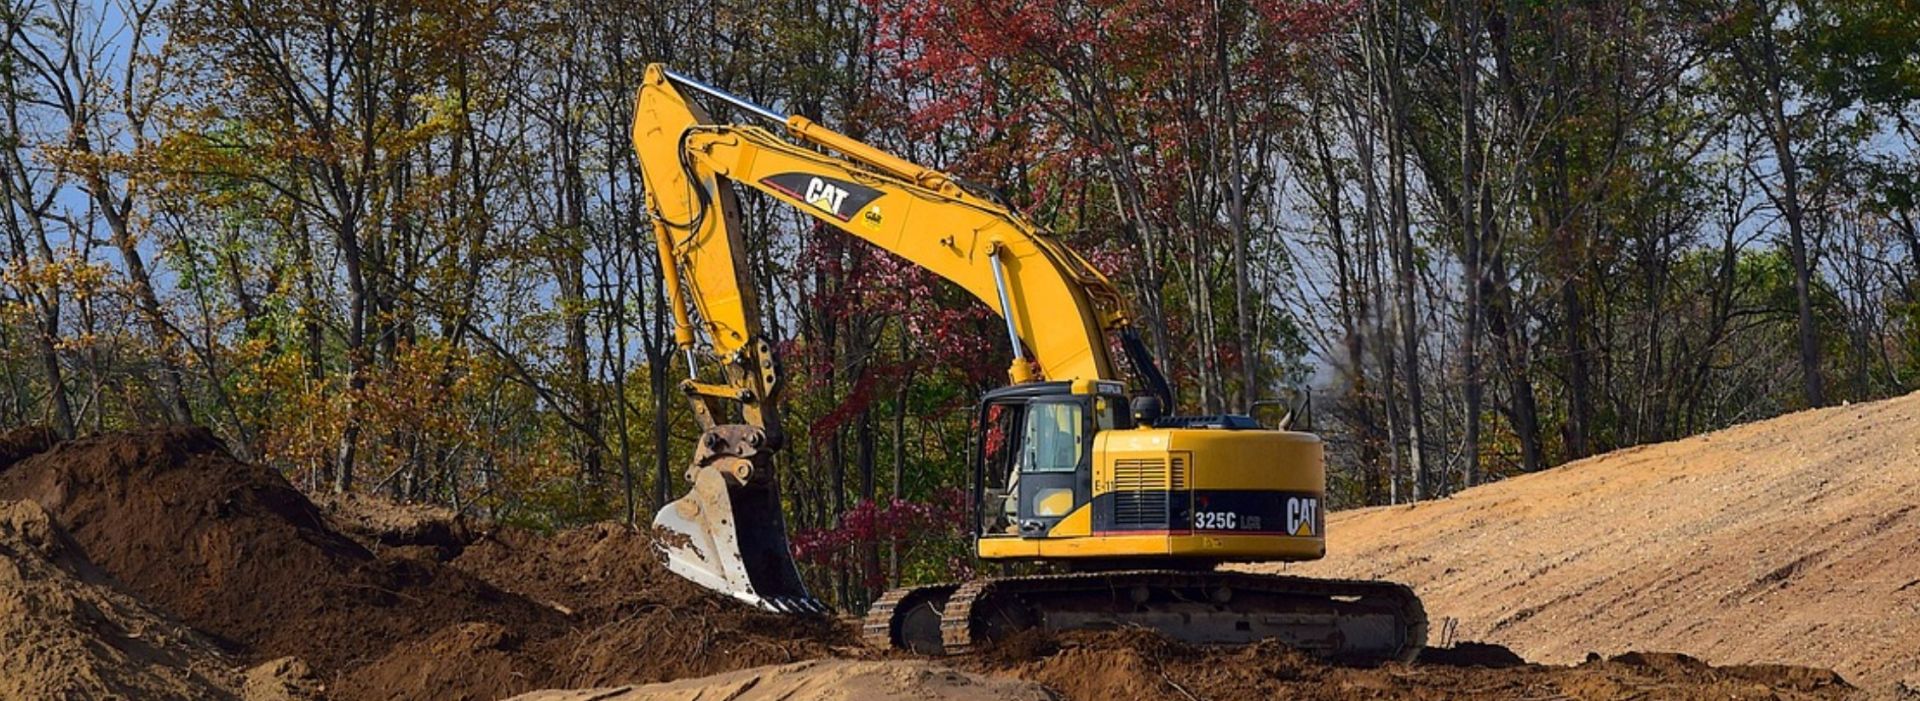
(820,680)
(387,601)
(629,622)
(1795,540)
(65,632)
(20,443)
(235,551)
(1137,666)
(400,529)
(1140,666)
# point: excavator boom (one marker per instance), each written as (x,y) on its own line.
(921,215)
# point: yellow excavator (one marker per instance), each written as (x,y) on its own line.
(1134,506)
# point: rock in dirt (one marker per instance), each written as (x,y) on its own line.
(820,680)
(1790,540)
(66,633)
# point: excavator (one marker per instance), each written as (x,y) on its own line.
(1133,507)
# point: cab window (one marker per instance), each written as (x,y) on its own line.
(1053,440)
(1110,413)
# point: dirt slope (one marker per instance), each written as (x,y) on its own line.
(385,602)
(1794,540)
(820,680)
(234,551)
(66,633)
(1140,666)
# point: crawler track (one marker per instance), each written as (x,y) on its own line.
(1350,620)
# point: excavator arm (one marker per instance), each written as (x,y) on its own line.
(1057,306)
(728,533)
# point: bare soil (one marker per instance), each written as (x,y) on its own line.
(397,529)
(24,442)
(1795,540)
(67,633)
(820,680)
(234,551)
(215,564)
(1140,666)
(634,620)
(629,621)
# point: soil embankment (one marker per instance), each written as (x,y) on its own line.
(1794,540)
(66,632)
(409,607)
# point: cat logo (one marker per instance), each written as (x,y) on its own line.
(827,197)
(872,218)
(839,199)
(1302,513)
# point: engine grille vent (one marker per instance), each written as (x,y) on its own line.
(1143,492)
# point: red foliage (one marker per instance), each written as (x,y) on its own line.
(947,331)
(899,522)
(1057,92)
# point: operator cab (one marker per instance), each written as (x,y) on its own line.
(1034,454)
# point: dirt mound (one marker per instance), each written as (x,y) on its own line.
(1140,666)
(820,680)
(408,530)
(235,551)
(638,622)
(412,605)
(65,632)
(422,607)
(20,443)
(630,621)
(1790,540)
(591,571)
(462,662)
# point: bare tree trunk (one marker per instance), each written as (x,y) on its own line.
(1781,132)
(1236,189)
(899,458)
(344,457)
(1400,241)
(1475,218)
(25,216)
(1508,332)
(867,437)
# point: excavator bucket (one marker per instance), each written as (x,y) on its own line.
(727,534)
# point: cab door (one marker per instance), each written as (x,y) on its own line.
(1054,461)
